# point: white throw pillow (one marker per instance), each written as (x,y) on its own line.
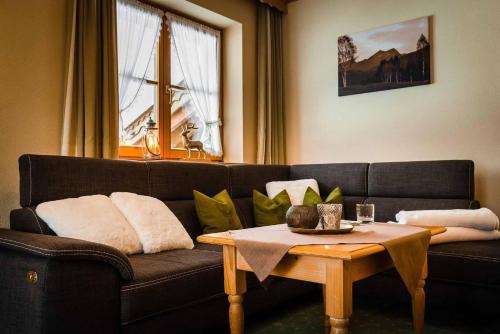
(157,227)
(91,218)
(295,189)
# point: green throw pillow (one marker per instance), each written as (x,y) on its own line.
(216,214)
(270,211)
(312,198)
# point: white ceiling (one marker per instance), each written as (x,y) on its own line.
(196,12)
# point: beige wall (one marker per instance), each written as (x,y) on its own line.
(32,82)
(456,117)
(32,39)
(232,104)
(245,12)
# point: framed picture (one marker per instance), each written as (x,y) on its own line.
(388,57)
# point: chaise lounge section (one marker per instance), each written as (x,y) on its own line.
(53,285)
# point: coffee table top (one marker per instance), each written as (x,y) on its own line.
(342,251)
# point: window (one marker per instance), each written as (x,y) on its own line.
(141,107)
(172,75)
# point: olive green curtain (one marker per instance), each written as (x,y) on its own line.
(90,123)
(270,117)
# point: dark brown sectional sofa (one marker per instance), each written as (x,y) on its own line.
(50,284)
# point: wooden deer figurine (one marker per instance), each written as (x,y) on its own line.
(191,144)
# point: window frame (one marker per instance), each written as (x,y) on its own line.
(163,99)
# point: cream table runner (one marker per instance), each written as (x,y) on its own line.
(264,247)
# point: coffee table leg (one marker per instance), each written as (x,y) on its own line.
(235,286)
(327,317)
(236,314)
(338,295)
(418,302)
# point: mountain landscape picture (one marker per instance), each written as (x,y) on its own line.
(388,57)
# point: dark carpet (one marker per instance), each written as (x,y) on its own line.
(306,317)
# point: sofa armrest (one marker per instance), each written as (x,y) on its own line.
(60,248)
(26,220)
(55,285)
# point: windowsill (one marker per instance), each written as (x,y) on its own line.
(171,159)
(175,158)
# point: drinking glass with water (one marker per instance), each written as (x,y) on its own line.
(365,213)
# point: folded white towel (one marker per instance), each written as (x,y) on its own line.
(481,219)
(454,234)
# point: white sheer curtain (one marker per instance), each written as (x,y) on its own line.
(138,30)
(198,51)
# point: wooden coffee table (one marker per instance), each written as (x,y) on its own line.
(336,267)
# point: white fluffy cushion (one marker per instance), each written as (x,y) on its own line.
(295,189)
(91,218)
(157,227)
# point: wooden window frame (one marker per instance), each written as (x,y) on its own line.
(163,100)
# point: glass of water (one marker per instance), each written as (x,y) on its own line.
(365,213)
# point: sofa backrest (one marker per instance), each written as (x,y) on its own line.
(420,185)
(390,186)
(48,178)
(350,177)
(173,183)
(244,178)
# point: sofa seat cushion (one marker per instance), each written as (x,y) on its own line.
(209,247)
(170,280)
(174,279)
(472,262)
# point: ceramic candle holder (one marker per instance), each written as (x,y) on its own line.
(302,216)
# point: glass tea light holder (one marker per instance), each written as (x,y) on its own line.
(330,216)
(365,213)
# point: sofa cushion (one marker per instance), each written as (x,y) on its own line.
(270,211)
(48,178)
(26,220)
(92,218)
(246,178)
(473,262)
(295,189)
(350,177)
(172,180)
(349,206)
(387,208)
(422,179)
(186,213)
(217,213)
(169,280)
(156,225)
(175,279)
(208,247)
(244,208)
(312,198)
(211,317)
